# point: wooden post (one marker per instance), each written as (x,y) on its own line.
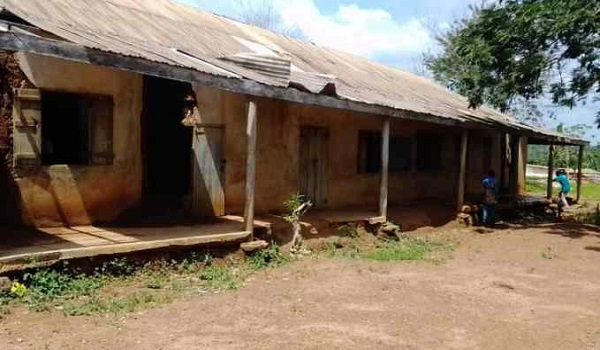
(250,166)
(579,172)
(550,171)
(515,159)
(460,200)
(503,151)
(385,162)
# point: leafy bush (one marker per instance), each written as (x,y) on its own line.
(47,282)
(266,258)
(18,290)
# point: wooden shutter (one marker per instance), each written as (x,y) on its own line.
(27,130)
(101,129)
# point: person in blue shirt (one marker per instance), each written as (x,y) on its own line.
(565,188)
(490,199)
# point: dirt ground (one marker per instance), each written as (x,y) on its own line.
(532,288)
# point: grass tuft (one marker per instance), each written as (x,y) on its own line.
(218,276)
(405,249)
(589,191)
(402,250)
(268,258)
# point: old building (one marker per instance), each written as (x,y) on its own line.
(136,109)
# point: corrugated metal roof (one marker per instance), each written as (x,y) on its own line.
(165,32)
(273,66)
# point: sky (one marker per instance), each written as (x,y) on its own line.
(392,32)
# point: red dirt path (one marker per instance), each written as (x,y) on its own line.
(498,292)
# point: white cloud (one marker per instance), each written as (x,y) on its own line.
(364,32)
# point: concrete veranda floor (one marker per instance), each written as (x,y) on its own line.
(23,247)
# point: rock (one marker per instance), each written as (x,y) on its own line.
(390,227)
(389,230)
(5,285)
(465,219)
(250,247)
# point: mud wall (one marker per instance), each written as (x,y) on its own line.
(278,152)
(485,153)
(80,195)
(11,77)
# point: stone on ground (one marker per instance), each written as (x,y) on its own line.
(250,247)
(5,284)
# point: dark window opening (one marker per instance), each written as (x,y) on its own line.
(429,153)
(76,129)
(369,153)
(400,154)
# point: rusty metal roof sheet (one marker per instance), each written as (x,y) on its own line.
(166,32)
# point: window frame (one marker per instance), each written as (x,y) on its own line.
(97,121)
(369,152)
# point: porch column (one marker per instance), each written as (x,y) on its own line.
(462,177)
(250,166)
(515,159)
(550,171)
(503,163)
(385,162)
(579,171)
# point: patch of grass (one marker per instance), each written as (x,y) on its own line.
(402,250)
(218,276)
(122,285)
(536,186)
(105,305)
(46,288)
(268,258)
(589,191)
(4,305)
(343,248)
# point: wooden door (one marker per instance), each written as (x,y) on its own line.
(314,162)
(208,174)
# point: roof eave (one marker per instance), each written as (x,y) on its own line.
(74,52)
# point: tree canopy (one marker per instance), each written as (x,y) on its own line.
(520,50)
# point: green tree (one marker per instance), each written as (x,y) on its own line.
(523,49)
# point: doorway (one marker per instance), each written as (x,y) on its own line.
(314,162)
(166,149)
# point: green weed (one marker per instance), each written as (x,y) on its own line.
(402,250)
(18,290)
(218,276)
(4,305)
(392,250)
(267,258)
(345,249)
(106,305)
